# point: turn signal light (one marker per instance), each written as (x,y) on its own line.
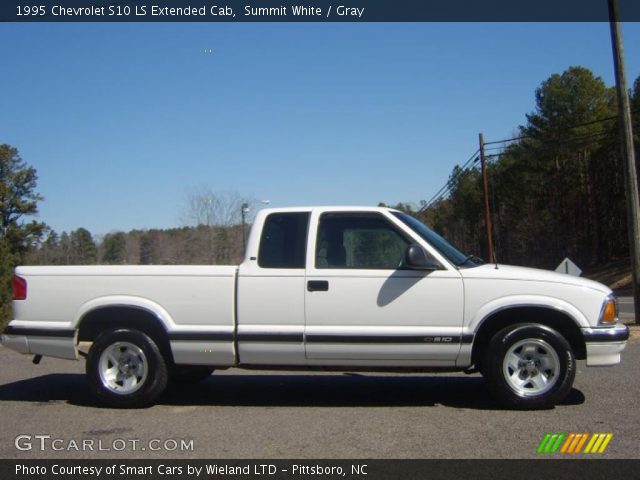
(609,312)
(19,288)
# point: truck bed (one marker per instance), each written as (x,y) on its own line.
(184,298)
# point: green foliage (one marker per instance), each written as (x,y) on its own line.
(115,249)
(175,246)
(556,192)
(8,261)
(572,98)
(74,248)
(17,187)
(149,242)
(635,100)
(83,248)
(18,199)
(635,115)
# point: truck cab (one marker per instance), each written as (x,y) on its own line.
(331,286)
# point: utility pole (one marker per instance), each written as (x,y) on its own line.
(485,188)
(628,155)
(244,208)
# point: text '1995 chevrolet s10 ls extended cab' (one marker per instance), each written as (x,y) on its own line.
(339,288)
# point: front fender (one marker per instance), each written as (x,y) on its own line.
(515,301)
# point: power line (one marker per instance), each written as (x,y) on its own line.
(559,141)
(446,189)
(447,186)
(570,127)
(514,139)
(494,148)
(523,137)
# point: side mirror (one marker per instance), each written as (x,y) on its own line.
(416,258)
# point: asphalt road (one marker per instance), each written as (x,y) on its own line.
(268,415)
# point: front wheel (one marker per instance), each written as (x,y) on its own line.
(126,369)
(529,366)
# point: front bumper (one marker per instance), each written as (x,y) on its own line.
(604,345)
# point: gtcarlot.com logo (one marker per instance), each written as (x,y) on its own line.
(44,442)
(574,443)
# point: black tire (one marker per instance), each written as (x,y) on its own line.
(140,364)
(546,367)
(189,374)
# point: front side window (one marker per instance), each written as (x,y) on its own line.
(284,240)
(366,241)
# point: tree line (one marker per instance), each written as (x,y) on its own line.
(189,245)
(557,189)
(213,234)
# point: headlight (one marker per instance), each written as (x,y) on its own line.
(609,311)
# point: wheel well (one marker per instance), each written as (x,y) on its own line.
(559,321)
(134,318)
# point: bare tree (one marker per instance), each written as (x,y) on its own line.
(217,217)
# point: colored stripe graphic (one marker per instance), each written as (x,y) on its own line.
(543,443)
(591,443)
(556,445)
(573,443)
(550,443)
(598,442)
(604,445)
(570,438)
(583,439)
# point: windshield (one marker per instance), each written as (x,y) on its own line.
(454,255)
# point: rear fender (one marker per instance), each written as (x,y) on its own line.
(125,301)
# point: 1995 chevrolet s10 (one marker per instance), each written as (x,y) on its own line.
(321,288)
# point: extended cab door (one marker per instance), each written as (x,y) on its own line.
(363,308)
(270,291)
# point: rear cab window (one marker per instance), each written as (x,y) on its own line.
(283,243)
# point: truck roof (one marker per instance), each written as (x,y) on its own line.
(347,208)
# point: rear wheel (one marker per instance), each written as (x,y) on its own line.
(529,366)
(125,369)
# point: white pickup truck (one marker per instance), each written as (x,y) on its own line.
(344,288)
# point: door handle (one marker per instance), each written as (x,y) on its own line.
(318,286)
